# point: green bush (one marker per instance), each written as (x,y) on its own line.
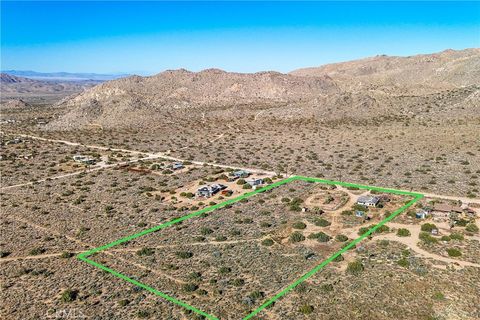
(323,237)
(382,228)
(453,252)
(428,227)
(36,251)
(427,238)
(328,287)
(143,314)
(305,309)
(184,254)
(220,238)
(341,238)
(297,237)
(237,282)
(363,230)
(224,270)
(472,227)
(299,225)
(402,232)
(456,236)
(320,222)
(403,262)
(355,267)
(69,295)
(145,252)
(205,231)
(268,242)
(66,255)
(189,287)
(123,302)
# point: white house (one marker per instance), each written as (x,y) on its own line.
(254,182)
(84,159)
(369,201)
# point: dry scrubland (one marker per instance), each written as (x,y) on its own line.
(226,262)
(408,123)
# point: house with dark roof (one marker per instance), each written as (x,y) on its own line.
(368,201)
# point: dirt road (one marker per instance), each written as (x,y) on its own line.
(201,163)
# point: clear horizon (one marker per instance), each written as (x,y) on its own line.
(150,37)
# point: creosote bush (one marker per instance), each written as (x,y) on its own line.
(402,232)
(297,237)
(355,267)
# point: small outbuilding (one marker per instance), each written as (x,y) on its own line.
(255,182)
(177,166)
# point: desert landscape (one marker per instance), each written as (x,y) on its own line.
(240,160)
(202,158)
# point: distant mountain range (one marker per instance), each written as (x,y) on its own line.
(15,87)
(361,89)
(64,76)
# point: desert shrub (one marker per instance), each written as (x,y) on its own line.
(402,232)
(237,282)
(220,238)
(123,302)
(428,227)
(360,207)
(256,295)
(384,243)
(438,296)
(347,213)
(453,252)
(472,227)
(320,222)
(323,237)
(184,254)
(355,267)
(297,237)
(224,270)
(382,228)
(299,225)
(305,309)
(427,238)
(241,181)
(247,186)
(195,276)
(36,251)
(445,238)
(66,255)
(301,288)
(189,287)
(341,238)
(145,252)
(69,295)
(328,287)
(456,236)
(363,230)
(339,258)
(403,262)
(143,314)
(205,231)
(268,242)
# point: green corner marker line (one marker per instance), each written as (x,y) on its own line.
(83,256)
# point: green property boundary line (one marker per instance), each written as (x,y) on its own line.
(83,256)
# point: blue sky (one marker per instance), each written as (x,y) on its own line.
(149,37)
